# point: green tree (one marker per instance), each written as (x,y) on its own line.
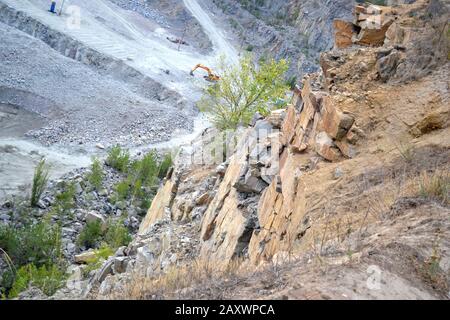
(243,90)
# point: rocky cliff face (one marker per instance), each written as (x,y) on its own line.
(351,177)
(296,30)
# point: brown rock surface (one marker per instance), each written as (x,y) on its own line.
(343,33)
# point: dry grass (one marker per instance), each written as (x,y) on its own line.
(406,151)
(343,232)
(435,185)
(194,280)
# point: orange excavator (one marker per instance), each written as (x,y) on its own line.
(210,77)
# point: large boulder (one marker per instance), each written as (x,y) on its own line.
(344,31)
(373,22)
(85,257)
(335,122)
(230,218)
(326,148)
(160,203)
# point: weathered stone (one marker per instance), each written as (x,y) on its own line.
(203,199)
(387,66)
(256,117)
(436,120)
(85,257)
(227,226)
(105,270)
(221,169)
(249,183)
(276,117)
(41,204)
(93,216)
(326,147)
(4,216)
(162,200)
(335,122)
(120,252)
(288,126)
(144,256)
(78,188)
(120,264)
(346,148)
(279,213)
(344,31)
(374,21)
(338,173)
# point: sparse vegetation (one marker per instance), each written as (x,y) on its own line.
(145,170)
(435,185)
(47,278)
(165,165)
(142,179)
(122,190)
(40,180)
(95,235)
(95,177)
(244,90)
(91,235)
(292,82)
(39,243)
(117,234)
(192,275)
(406,150)
(65,200)
(37,246)
(106,238)
(118,158)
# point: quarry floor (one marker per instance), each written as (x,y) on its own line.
(127,84)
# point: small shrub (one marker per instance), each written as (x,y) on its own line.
(250,48)
(118,159)
(40,180)
(435,186)
(165,165)
(146,169)
(122,190)
(117,235)
(65,200)
(39,243)
(47,278)
(95,177)
(91,235)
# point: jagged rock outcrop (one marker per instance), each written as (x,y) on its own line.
(413,36)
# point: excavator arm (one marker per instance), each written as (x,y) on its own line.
(210,77)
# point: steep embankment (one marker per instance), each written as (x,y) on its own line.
(353,203)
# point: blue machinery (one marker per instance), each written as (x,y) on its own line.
(52,7)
